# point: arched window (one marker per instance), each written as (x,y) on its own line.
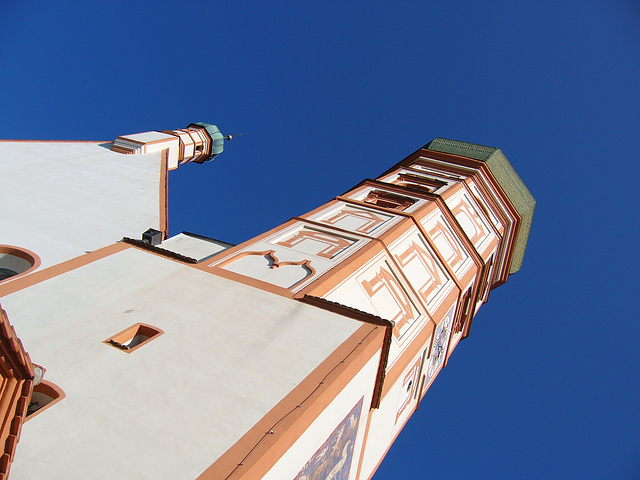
(45,394)
(16,261)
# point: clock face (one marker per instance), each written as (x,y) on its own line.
(440,343)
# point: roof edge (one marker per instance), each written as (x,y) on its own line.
(506,176)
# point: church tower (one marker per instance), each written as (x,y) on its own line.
(415,252)
(298,354)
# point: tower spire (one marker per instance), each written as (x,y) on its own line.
(198,142)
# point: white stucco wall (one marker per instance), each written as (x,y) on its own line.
(229,354)
(61,199)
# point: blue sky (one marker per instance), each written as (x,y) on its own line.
(330,93)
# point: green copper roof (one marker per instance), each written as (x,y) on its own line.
(217,139)
(508,179)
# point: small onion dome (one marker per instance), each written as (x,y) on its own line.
(217,140)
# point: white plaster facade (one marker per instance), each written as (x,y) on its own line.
(171,408)
(63,199)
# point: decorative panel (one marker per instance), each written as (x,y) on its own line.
(356,219)
(266,267)
(388,297)
(471,221)
(446,242)
(421,267)
(314,242)
(479,197)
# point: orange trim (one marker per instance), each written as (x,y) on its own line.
(164,194)
(410,291)
(156,142)
(390,200)
(477,259)
(469,181)
(180,144)
(64,267)
(334,277)
(266,442)
(16,371)
(195,155)
(320,209)
(400,190)
(15,360)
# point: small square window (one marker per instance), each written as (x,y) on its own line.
(134,337)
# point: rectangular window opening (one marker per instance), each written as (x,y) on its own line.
(134,337)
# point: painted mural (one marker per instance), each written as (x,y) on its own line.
(332,461)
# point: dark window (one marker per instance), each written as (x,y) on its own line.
(389,200)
